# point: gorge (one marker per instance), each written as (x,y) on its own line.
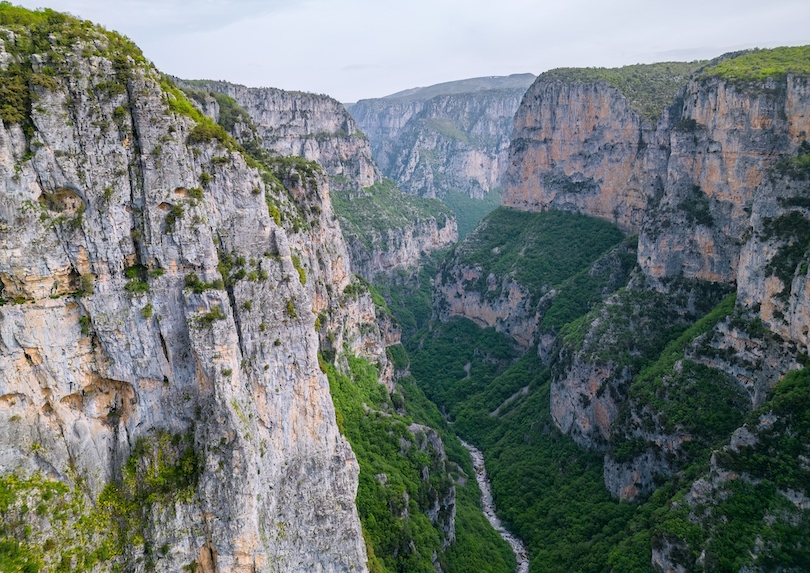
(229,342)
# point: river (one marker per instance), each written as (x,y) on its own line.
(519,549)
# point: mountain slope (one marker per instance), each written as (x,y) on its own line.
(446,138)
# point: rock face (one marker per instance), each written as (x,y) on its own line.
(149,292)
(385,231)
(504,305)
(388,231)
(315,127)
(452,137)
(578,147)
(400,248)
(773,273)
(685,184)
(722,141)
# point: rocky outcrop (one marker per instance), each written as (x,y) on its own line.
(400,248)
(519,273)
(153,303)
(441,491)
(388,231)
(431,141)
(685,183)
(773,273)
(723,137)
(595,361)
(695,185)
(502,304)
(315,127)
(742,359)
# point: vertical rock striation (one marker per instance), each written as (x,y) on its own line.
(385,231)
(149,293)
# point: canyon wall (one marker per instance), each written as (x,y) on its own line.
(385,231)
(158,342)
(451,137)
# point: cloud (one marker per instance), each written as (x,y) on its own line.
(153,17)
(353,49)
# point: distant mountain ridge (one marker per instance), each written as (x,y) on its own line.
(470,85)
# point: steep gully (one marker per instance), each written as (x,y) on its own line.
(518,547)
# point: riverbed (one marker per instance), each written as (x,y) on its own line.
(519,549)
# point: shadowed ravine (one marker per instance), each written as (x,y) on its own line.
(519,549)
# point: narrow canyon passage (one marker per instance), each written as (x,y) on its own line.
(519,549)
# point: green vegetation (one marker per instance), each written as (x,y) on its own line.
(540,250)
(302,273)
(137,283)
(760,65)
(409,296)
(175,214)
(372,214)
(634,326)
(740,514)
(677,394)
(394,495)
(210,317)
(447,128)
(792,230)
(71,534)
(697,208)
(230,114)
(469,212)
(51,35)
(798,167)
(583,291)
(44,524)
(197,286)
(781,445)
(649,88)
(547,489)
(163,469)
(274,169)
(147,311)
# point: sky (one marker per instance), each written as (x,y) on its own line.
(354,49)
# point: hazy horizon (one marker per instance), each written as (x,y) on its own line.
(358,49)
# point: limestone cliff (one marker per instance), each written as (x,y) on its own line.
(388,231)
(576,147)
(682,174)
(444,138)
(315,127)
(385,231)
(711,172)
(516,271)
(584,140)
(773,270)
(158,342)
(723,136)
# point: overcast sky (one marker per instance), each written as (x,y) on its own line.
(353,49)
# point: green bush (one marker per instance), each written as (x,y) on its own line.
(760,65)
(540,250)
(399,532)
